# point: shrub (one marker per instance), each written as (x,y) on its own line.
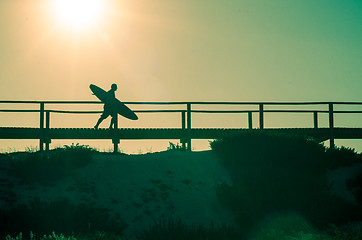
(282,173)
(355,186)
(342,157)
(177,146)
(46,167)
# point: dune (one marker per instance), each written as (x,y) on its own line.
(140,189)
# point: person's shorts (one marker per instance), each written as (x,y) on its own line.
(108,111)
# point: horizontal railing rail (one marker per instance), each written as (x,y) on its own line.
(182,103)
(174,111)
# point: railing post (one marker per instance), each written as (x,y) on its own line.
(315,116)
(261,116)
(47,126)
(115,139)
(250,120)
(331,126)
(41,127)
(189,126)
(183,126)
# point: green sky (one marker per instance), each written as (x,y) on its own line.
(189,50)
(239,50)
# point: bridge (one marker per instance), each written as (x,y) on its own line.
(45,133)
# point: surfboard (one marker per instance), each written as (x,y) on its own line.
(119,107)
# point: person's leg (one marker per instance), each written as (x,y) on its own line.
(102,117)
(98,122)
(113,122)
(105,114)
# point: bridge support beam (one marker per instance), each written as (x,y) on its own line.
(250,120)
(183,127)
(115,145)
(261,116)
(41,128)
(47,126)
(115,139)
(331,126)
(315,116)
(188,127)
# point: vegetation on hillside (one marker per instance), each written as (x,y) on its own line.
(41,217)
(272,175)
(277,173)
(46,167)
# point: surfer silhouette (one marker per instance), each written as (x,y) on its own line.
(109,109)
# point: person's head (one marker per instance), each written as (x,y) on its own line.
(114,87)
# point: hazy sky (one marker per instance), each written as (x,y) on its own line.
(207,50)
(189,50)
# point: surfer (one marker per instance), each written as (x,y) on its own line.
(109,109)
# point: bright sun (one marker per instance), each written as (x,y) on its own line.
(78,13)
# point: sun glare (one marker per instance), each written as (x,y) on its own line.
(77,13)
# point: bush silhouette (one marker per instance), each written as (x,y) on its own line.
(274,173)
(44,168)
(355,186)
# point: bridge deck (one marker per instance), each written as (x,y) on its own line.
(321,134)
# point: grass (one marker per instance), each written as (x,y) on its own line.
(175,229)
(61,215)
(54,236)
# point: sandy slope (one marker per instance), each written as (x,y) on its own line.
(141,188)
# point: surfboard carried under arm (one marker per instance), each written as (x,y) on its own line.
(117,105)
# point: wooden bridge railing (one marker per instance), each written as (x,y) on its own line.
(186,113)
